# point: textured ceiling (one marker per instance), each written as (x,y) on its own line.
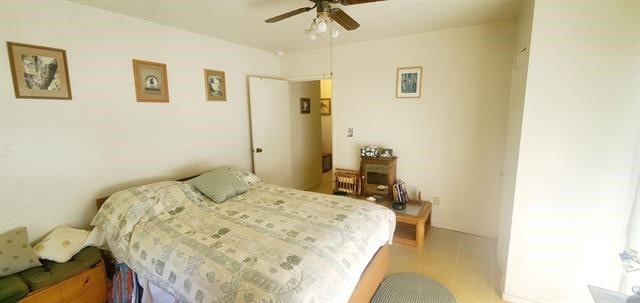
(242,21)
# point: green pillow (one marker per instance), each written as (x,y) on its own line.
(12,289)
(15,252)
(219,185)
(53,272)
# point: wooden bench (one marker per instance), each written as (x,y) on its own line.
(89,286)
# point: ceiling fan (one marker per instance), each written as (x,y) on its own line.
(325,12)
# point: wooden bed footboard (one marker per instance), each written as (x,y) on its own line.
(372,276)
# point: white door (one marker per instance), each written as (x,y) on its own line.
(512,147)
(270,129)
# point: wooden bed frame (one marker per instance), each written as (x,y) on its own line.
(372,276)
(370,279)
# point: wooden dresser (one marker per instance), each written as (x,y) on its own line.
(89,286)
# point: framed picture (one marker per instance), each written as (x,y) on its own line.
(305,105)
(386,152)
(409,82)
(325,106)
(370,151)
(39,72)
(151,81)
(215,85)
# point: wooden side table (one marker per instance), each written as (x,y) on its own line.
(378,176)
(415,219)
(417,216)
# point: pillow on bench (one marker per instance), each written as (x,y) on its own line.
(61,244)
(15,252)
(12,289)
(53,272)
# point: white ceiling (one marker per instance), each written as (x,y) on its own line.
(242,21)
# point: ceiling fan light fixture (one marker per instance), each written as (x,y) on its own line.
(321,26)
(325,13)
(311,34)
(335,33)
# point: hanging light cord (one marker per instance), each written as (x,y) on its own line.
(331,55)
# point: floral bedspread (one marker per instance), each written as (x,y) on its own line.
(270,244)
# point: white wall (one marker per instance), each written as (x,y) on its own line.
(579,130)
(450,142)
(516,104)
(325,120)
(57,157)
(306,143)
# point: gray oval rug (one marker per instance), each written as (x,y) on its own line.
(408,287)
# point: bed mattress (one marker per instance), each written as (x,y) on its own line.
(270,244)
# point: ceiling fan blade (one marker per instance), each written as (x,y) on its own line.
(354,2)
(343,19)
(289,14)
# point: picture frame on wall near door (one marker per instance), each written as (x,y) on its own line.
(305,105)
(325,106)
(215,85)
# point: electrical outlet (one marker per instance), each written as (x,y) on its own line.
(436,200)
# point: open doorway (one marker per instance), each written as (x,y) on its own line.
(285,131)
(306,134)
(326,114)
(291,132)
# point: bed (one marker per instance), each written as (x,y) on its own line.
(269,244)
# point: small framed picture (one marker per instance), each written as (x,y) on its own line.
(370,151)
(325,106)
(151,81)
(305,105)
(409,82)
(215,85)
(39,72)
(386,152)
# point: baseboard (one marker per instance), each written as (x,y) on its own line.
(514,299)
(501,278)
(461,229)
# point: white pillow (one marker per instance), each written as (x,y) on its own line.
(95,238)
(246,177)
(61,244)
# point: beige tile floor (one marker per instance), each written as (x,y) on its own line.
(464,263)
(326,187)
